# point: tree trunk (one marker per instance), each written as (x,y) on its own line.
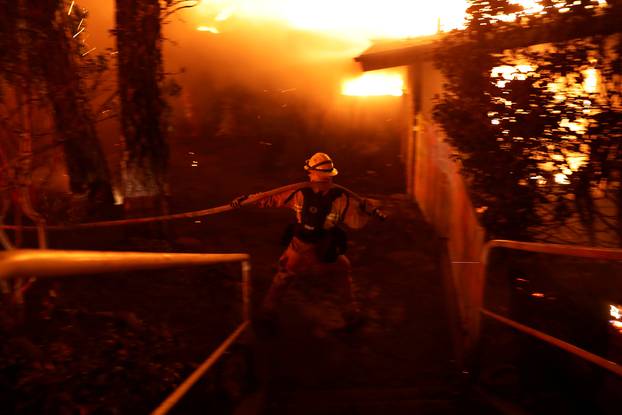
(584,202)
(619,213)
(53,58)
(8,24)
(140,72)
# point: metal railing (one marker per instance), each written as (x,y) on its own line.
(51,263)
(554,249)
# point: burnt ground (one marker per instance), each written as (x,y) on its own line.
(123,342)
(398,362)
(401,356)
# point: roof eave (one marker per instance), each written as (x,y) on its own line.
(390,59)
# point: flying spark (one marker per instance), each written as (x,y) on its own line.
(88,51)
(80,31)
(209,29)
(224,15)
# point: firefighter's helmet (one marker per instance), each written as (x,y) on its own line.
(321,164)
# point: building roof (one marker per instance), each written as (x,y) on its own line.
(388,54)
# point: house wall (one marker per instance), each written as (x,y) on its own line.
(439,190)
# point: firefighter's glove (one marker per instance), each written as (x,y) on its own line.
(237,202)
(379,214)
(364,205)
(371,210)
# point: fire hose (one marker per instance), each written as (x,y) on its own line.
(197,213)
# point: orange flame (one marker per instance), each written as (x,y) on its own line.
(616,312)
(355,18)
(210,29)
(344,18)
(357,21)
(375,84)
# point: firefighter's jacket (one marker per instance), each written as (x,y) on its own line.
(345,208)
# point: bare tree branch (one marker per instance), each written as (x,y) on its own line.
(106,102)
(176,9)
(606,221)
(550,237)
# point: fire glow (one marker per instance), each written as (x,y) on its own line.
(616,313)
(564,87)
(352,20)
(344,18)
(209,29)
(375,84)
(388,19)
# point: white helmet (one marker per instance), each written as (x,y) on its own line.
(322,164)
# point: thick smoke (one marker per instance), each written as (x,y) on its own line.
(270,87)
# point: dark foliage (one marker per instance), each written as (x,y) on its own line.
(535,133)
(114,345)
(42,64)
(116,368)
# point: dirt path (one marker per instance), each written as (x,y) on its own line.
(402,356)
(403,349)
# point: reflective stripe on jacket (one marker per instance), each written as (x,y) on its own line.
(343,210)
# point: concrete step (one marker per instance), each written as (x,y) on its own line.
(418,407)
(363,401)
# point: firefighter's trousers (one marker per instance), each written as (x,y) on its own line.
(300,258)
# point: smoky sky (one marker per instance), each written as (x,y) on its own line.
(301,71)
(248,53)
(264,62)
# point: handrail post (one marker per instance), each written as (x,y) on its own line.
(576,251)
(246,290)
(42,235)
(50,263)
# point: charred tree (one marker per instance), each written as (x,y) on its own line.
(139,45)
(54,58)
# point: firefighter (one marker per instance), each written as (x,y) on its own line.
(316,242)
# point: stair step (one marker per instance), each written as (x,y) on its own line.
(364,401)
(366,394)
(401,407)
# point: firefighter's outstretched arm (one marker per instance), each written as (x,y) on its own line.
(364,204)
(371,210)
(270,198)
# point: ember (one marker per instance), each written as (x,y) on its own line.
(615,311)
(208,29)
